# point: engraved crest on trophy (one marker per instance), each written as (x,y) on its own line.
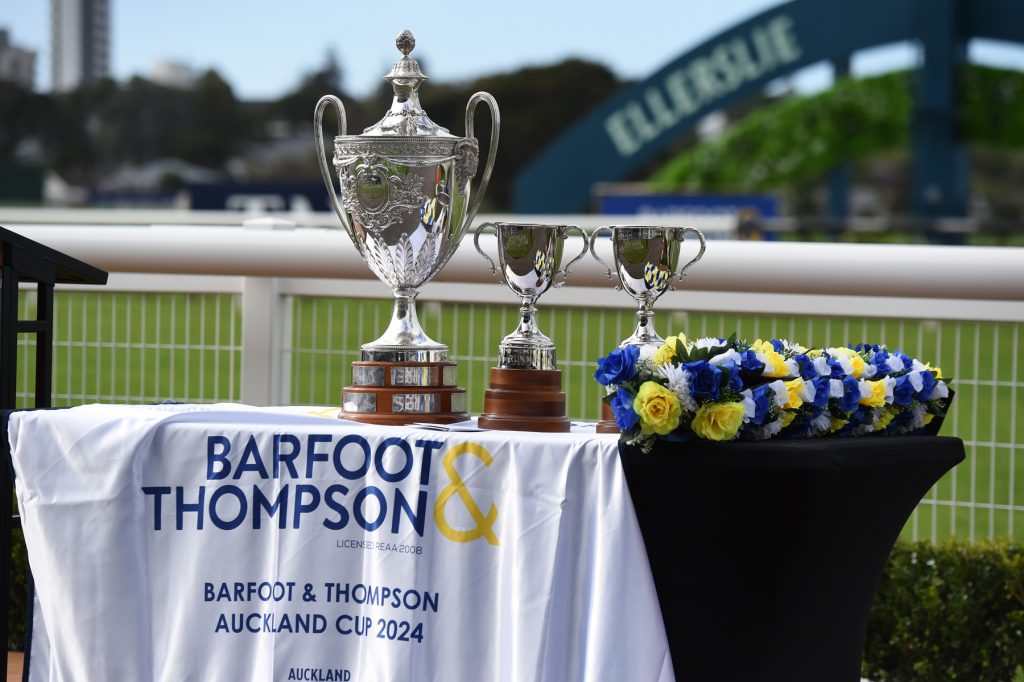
(406,202)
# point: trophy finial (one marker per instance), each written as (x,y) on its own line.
(405,42)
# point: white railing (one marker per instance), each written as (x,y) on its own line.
(274,314)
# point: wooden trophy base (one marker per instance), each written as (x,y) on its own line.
(396,393)
(525,400)
(607,423)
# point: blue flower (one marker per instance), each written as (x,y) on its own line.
(705,379)
(750,363)
(806,365)
(622,407)
(777,345)
(928,381)
(837,369)
(903,391)
(763,398)
(851,395)
(734,382)
(880,360)
(821,391)
(872,347)
(617,366)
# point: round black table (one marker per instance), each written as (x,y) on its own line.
(766,556)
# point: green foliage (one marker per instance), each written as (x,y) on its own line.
(797,140)
(953,611)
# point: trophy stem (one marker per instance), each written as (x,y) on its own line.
(644,334)
(404,340)
(527,319)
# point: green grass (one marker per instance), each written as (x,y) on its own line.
(137,348)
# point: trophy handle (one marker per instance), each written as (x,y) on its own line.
(563,232)
(474,204)
(681,235)
(476,243)
(593,243)
(325,171)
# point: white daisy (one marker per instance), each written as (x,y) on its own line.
(679,383)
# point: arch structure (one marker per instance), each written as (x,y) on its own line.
(643,119)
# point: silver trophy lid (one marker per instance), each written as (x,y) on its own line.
(406,117)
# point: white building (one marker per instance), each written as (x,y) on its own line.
(16,64)
(80,39)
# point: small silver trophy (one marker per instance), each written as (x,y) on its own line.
(530,256)
(405,202)
(645,261)
(526,386)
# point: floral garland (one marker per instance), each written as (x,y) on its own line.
(725,389)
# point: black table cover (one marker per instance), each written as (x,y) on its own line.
(766,556)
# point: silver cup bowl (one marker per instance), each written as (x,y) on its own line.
(530,258)
(645,264)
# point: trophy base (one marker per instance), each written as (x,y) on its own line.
(397,393)
(607,424)
(524,400)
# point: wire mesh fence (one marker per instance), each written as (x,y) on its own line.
(148,347)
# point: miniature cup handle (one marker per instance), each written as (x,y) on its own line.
(681,235)
(476,243)
(563,232)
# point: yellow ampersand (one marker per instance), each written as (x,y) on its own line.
(484,524)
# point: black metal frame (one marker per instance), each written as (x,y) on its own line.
(24,260)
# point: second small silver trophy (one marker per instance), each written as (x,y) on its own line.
(526,386)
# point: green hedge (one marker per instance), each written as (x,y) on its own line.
(952,611)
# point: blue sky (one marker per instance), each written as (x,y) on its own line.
(263,47)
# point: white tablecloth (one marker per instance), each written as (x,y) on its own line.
(235,543)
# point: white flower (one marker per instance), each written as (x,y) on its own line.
(781,392)
(647,352)
(916,381)
(820,424)
(821,366)
(807,392)
(918,365)
(895,363)
(792,368)
(865,389)
(846,362)
(769,430)
(940,391)
(679,383)
(835,388)
(748,406)
(869,371)
(890,384)
(722,358)
(708,342)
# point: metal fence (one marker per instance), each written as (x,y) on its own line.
(257,333)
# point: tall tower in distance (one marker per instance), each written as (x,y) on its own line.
(80,42)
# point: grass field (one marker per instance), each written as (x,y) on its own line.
(138,348)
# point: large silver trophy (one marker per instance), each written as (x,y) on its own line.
(645,262)
(405,201)
(525,391)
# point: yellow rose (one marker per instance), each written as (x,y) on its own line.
(837,424)
(658,408)
(665,353)
(858,364)
(847,352)
(814,353)
(937,370)
(774,364)
(718,421)
(877,397)
(787,418)
(928,417)
(794,387)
